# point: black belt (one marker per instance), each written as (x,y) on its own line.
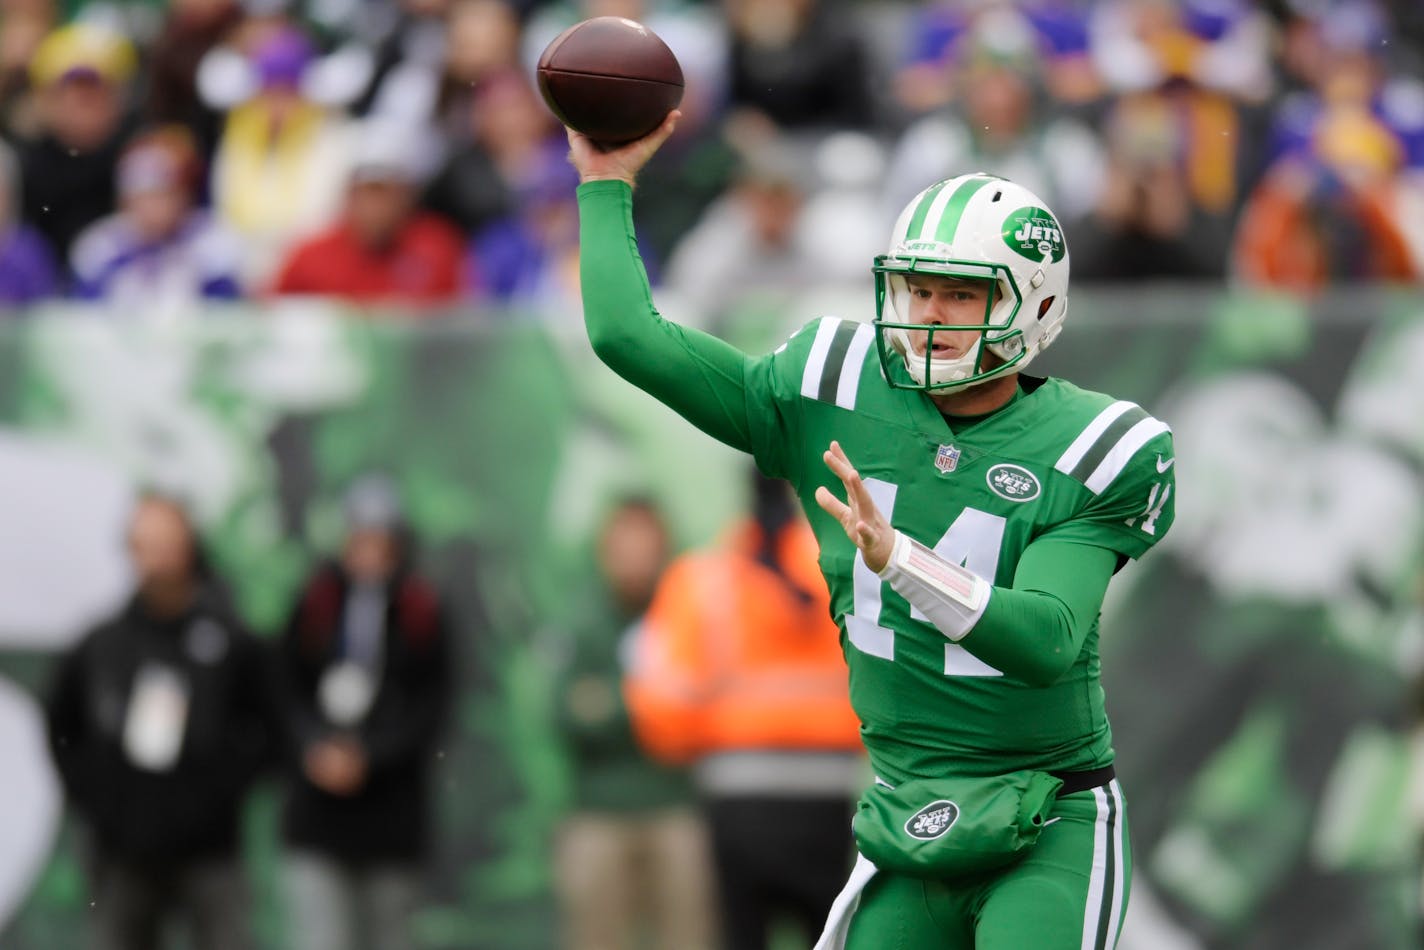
(1082,781)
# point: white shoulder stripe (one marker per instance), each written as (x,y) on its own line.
(816,360)
(1085,440)
(854,363)
(1114,462)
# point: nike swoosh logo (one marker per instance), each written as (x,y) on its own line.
(1052,820)
(1163,466)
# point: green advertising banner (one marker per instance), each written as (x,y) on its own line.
(1260,667)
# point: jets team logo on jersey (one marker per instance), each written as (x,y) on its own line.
(1013,482)
(1035,234)
(932,821)
(947,458)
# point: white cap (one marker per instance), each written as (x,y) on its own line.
(373,504)
(385,150)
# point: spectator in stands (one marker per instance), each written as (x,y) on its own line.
(23,27)
(365,671)
(405,43)
(1309,29)
(281,161)
(514,128)
(190,30)
(1181,151)
(159,253)
(1306,226)
(678,186)
(737,670)
(930,78)
(631,861)
(1222,46)
(383,249)
(751,238)
(1348,168)
(498,136)
(27,268)
(529,256)
(81,74)
(998,128)
(800,63)
(492,121)
(1147,223)
(482,44)
(159,722)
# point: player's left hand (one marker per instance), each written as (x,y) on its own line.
(862,521)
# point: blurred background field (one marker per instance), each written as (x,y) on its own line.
(1261,670)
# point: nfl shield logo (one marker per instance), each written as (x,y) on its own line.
(947,458)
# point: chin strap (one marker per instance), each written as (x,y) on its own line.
(952,597)
(962,367)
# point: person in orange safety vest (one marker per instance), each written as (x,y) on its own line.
(738,672)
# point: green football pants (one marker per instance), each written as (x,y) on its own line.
(1068,893)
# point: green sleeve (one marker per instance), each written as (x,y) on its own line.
(699,376)
(1035,630)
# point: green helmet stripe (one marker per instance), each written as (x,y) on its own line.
(941,226)
(922,210)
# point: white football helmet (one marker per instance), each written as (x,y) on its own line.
(975,226)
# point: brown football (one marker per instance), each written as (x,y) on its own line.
(610,78)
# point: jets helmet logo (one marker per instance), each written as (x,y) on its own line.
(933,820)
(1034,233)
(924,249)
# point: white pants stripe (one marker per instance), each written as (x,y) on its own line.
(1107,885)
(1120,884)
(833,937)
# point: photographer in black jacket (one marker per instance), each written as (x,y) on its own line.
(158,722)
(365,670)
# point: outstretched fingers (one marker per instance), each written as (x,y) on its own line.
(838,463)
(832,505)
(856,493)
(848,512)
(858,514)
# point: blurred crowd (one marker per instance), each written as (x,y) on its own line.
(165,714)
(699,703)
(397,151)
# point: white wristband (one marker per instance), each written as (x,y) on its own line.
(952,597)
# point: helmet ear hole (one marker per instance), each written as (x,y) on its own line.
(1043,307)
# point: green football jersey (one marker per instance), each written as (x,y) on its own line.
(1058,461)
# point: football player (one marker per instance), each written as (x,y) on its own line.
(984,513)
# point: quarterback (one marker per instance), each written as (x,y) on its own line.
(969,517)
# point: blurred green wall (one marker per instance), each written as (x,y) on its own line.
(1260,667)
